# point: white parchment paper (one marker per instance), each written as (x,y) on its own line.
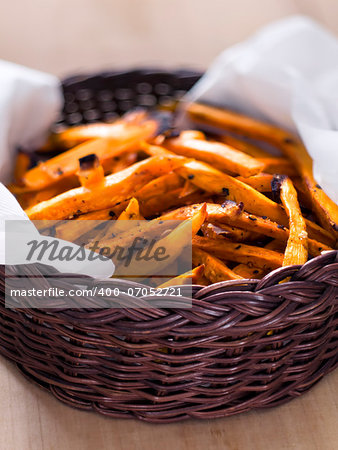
(286,74)
(30,102)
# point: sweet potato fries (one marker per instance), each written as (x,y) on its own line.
(249,212)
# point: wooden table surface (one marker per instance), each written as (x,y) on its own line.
(67,36)
(33,420)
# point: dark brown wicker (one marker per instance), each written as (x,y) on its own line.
(243,345)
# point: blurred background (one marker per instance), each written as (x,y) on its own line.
(67,36)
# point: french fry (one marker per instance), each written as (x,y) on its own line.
(275,165)
(66,164)
(103,214)
(121,162)
(165,274)
(192,134)
(191,277)
(175,241)
(90,171)
(132,212)
(246,271)
(165,192)
(215,270)
(241,253)
(198,219)
(215,230)
(232,214)
(217,154)
(80,229)
(188,189)
(46,194)
(155,228)
(72,230)
(115,188)
(261,182)
(159,186)
(302,192)
(206,177)
(30,199)
(325,208)
(157,204)
(249,272)
(296,251)
(154,205)
(154,150)
(244,146)
(120,128)
(253,201)
(203,281)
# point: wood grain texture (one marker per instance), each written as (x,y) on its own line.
(63,36)
(33,420)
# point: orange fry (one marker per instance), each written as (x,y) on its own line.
(191,277)
(244,146)
(165,183)
(217,154)
(241,253)
(216,230)
(253,201)
(215,269)
(296,251)
(246,271)
(233,215)
(115,188)
(120,128)
(325,208)
(261,182)
(206,177)
(66,164)
(282,166)
(90,171)
(132,212)
(120,162)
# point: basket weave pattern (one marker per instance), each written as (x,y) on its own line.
(243,345)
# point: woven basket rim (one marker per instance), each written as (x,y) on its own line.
(266,281)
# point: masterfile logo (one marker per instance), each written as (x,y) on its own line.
(28,242)
(67,264)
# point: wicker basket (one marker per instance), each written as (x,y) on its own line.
(221,356)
